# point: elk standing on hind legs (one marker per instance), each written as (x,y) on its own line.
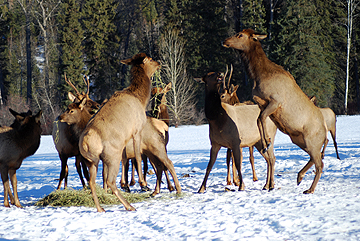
(64,138)
(278,96)
(117,122)
(233,127)
(17,142)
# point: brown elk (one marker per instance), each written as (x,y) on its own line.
(159,110)
(64,138)
(278,96)
(153,146)
(233,127)
(17,142)
(228,95)
(115,124)
(330,120)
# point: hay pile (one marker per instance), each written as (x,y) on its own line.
(70,197)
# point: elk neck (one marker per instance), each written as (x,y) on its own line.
(213,106)
(140,85)
(255,61)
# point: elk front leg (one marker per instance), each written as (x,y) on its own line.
(235,173)
(213,154)
(12,174)
(237,158)
(78,169)
(228,159)
(7,191)
(270,109)
(64,171)
(125,172)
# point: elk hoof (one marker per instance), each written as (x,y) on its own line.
(126,189)
(132,183)
(299,179)
(145,189)
(308,191)
(171,188)
(131,208)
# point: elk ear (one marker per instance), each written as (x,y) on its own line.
(259,36)
(167,87)
(126,61)
(199,80)
(38,116)
(82,103)
(14,113)
(73,98)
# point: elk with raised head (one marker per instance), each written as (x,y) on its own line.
(280,98)
(119,120)
(64,136)
(330,120)
(17,142)
(233,127)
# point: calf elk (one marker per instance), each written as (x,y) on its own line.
(278,96)
(64,136)
(119,120)
(230,126)
(17,142)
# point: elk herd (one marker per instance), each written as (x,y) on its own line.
(120,130)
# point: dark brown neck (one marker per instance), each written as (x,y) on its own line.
(140,85)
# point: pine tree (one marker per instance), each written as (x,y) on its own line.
(71,48)
(302,52)
(101,46)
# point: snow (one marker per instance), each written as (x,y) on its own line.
(331,213)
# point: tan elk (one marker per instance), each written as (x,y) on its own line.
(153,146)
(64,136)
(115,124)
(228,95)
(159,110)
(330,120)
(281,99)
(17,142)
(233,127)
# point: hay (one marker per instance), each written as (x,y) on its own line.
(70,197)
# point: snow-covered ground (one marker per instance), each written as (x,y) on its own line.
(331,213)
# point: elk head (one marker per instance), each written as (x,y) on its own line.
(149,65)
(243,40)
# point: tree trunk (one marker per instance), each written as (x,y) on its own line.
(28,58)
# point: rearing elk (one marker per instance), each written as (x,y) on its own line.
(64,137)
(281,99)
(17,142)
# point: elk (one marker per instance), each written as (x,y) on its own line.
(119,120)
(159,110)
(330,120)
(228,95)
(64,136)
(278,96)
(153,146)
(17,142)
(233,127)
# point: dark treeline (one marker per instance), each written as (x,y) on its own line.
(42,40)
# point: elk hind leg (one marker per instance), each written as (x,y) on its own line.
(12,174)
(64,171)
(251,152)
(213,154)
(7,191)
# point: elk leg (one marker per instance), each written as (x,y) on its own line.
(237,153)
(7,191)
(170,186)
(323,150)
(159,170)
(213,154)
(78,169)
(133,170)
(270,109)
(12,174)
(124,173)
(235,173)
(319,165)
(251,152)
(333,135)
(228,176)
(169,165)
(137,143)
(146,166)
(64,171)
(303,171)
(84,168)
(113,168)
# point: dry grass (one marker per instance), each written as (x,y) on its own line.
(70,197)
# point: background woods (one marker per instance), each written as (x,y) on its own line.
(316,40)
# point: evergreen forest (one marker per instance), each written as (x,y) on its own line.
(45,41)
